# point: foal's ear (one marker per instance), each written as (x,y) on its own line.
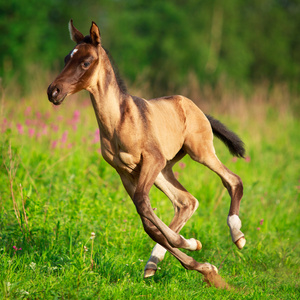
(75,34)
(95,34)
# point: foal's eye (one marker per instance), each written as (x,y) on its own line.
(85,64)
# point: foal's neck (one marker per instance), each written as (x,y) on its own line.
(106,97)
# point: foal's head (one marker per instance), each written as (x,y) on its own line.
(80,65)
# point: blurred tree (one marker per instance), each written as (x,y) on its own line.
(161,42)
(158,42)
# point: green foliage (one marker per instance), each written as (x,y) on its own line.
(160,42)
(64,190)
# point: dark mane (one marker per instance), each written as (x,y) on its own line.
(122,86)
(120,81)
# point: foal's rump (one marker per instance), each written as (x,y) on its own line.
(177,121)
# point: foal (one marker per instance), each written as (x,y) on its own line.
(143,139)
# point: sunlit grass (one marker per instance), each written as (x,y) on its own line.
(64,191)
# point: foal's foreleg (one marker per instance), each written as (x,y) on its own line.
(150,169)
(156,229)
(209,271)
(184,206)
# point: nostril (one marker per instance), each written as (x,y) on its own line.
(55,92)
(52,92)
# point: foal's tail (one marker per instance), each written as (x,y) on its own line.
(229,138)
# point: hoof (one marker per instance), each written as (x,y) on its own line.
(212,278)
(241,243)
(199,245)
(209,268)
(149,272)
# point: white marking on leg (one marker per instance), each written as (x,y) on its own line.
(157,255)
(73,52)
(235,225)
(193,245)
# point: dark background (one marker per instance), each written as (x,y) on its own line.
(163,43)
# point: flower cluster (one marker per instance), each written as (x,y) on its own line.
(16,248)
(247,159)
(260,222)
(51,126)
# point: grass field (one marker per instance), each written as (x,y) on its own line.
(56,190)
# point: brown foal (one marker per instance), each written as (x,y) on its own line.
(143,139)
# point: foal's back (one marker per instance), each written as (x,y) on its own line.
(171,122)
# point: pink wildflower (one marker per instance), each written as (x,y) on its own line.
(20,128)
(182,165)
(54,127)
(27,111)
(96,139)
(247,159)
(16,249)
(234,159)
(176,174)
(54,144)
(31,132)
(75,119)
(76,115)
(5,125)
(258,228)
(261,221)
(64,137)
(44,130)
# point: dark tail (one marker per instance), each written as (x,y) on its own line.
(229,138)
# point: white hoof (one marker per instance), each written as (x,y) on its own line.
(149,272)
(241,242)
(237,236)
(199,245)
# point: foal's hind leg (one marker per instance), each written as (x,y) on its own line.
(205,154)
(184,206)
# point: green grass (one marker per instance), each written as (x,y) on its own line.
(63,190)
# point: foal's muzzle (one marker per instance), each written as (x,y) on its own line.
(55,94)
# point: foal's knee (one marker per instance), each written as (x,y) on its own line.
(186,207)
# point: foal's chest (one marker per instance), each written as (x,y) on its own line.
(119,158)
